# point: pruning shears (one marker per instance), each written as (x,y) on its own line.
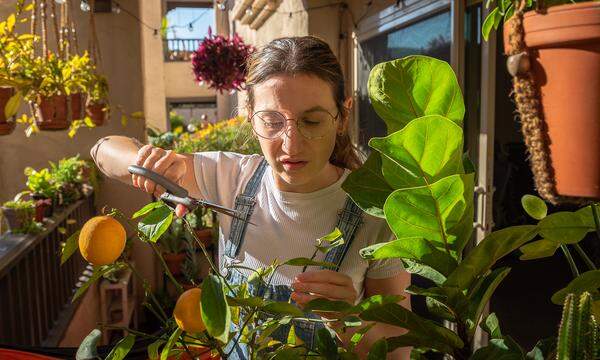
(178,195)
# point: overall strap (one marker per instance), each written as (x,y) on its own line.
(349,220)
(244,204)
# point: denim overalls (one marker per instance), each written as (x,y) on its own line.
(349,220)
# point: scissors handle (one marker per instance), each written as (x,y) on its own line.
(170,186)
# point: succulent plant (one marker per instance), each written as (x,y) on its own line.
(578,336)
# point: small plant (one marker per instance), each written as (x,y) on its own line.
(19,215)
(578,336)
(40,183)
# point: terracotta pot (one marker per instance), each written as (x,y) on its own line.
(77,107)
(43,207)
(16,219)
(52,113)
(6,127)
(174,262)
(205,236)
(564,49)
(96,112)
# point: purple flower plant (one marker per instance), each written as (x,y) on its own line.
(220,62)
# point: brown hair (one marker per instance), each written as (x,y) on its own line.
(306,55)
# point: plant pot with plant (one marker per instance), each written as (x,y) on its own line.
(97,107)
(19,215)
(67,175)
(172,245)
(43,191)
(554,58)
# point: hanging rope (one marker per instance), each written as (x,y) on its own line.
(56,31)
(44,28)
(33,24)
(93,43)
(527,99)
(73,33)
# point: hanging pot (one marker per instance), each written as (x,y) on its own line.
(52,113)
(96,111)
(564,54)
(77,101)
(6,127)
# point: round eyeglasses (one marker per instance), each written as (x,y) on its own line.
(270,124)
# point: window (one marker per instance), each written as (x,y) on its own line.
(192,112)
(186,28)
(430,36)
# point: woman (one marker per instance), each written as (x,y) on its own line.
(297,106)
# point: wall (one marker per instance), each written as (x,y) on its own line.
(180,83)
(119,37)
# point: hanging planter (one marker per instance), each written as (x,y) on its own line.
(220,62)
(555,63)
(98,112)
(51,113)
(6,125)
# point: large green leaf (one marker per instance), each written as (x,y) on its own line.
(71,245)
(164,354)
(215,312)
(122,348)
(452,298)
(397,315)
(564,227)
(487,252)
(538,249)
(282,308)
(504,349)
(492,326)
(484,292)
(423,270)
(434,212)
(367,186)
(156,223)
(418,340)
(588,281)
(426,150)
(534,206)
(404,89)
(414,248)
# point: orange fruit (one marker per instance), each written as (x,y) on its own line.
(102,240)
(187,313)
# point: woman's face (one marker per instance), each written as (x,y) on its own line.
(299,164)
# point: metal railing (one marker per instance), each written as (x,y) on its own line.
(180,49)
(35,290)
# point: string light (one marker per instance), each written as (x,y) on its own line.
(249,11)
(116,8)
(60,2)
(220,6)
(84,6)
(191,27)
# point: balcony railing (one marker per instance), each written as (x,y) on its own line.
(35,290)
(180,49)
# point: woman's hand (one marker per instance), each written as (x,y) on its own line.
(164,162)
(323,283)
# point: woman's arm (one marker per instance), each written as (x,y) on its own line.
(113,154)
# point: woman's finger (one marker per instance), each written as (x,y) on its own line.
(156,154)
(142,154)
(326,276)
(180,210)
(327,290)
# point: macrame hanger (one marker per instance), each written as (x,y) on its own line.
(44,28)
(55,26)
(528,104)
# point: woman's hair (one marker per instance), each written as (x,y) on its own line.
(306,55)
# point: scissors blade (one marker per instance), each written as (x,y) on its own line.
(223,210)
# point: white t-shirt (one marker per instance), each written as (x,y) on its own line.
(287,224)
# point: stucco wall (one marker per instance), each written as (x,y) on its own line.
(180,83)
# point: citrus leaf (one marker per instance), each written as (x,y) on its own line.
(534,206)
(156,223)
(122,348)
(215,312)
(71,245)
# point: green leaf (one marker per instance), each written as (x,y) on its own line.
(248,301)
(88,349)
(408,88)
(12,106)
(434,212)
(326,305)
(359,334)
(164,355)
(449,302)
(71,245)
(147,208)
(542,349)
(426,150)
(378,350)
(326,344)
(564,227)
(534,206)
(153,349)
(156,223)
(488,23)
(505,349)
(492,326)
(425,271)
(122,348)
(414,248)
(97,274)
(302,261)
(538,249)
(374,301)
(588,281)
(367,186)
(496,245)
(282,308)
(397,315)
(480,298)
(418,340)
(10,22)
(137,115)
(215,312)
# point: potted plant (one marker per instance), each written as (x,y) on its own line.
(172,244)
(19,215)
(43,191)
(554,59)
(97,107)
(67,175)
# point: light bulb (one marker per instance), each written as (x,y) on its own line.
(249,12)
(84,6)
(220,6)
(116,8)
(232,91)
(60,2)
(192,128)
(200,83)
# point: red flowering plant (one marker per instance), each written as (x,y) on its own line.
(220,62)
